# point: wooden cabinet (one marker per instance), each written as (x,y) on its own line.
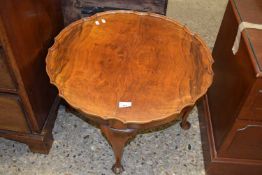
(28,102)
(76,9)
(231,113)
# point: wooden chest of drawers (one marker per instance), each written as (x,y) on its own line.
(28,102)
(231,113)
(76,9)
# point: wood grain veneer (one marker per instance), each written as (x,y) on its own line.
(147,59)
(12,116)
(124,56)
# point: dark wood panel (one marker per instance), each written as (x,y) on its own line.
(231,168)
(12,116)
(246,142)
(231,127)
(157,6)
(215,164)
(42,142)
(233,79)
(27,29)
(6,81)
(76,9)
(251,11)
(50,21)
(30,31)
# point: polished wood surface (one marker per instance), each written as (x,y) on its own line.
(27,29)
(12,116)
(6,82)
(233,77)
(253,14)
(232,109)
(118,139)
(216,164)
(125,56)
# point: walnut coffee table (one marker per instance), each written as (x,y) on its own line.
(128,71)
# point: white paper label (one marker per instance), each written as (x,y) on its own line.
(124,104)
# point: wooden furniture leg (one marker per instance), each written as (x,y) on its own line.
(184,123)
(118,139)
(68,108)
(41,146)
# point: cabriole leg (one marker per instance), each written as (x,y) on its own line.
(118,139)
(184,123)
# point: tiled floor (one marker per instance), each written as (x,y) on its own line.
(79,148)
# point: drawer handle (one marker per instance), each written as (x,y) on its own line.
(248,126)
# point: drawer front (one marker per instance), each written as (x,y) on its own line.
(256,109)
(12,116)
(83,8)
(252,108)
(246,141)
(6,82)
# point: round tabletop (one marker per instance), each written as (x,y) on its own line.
(131,66)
